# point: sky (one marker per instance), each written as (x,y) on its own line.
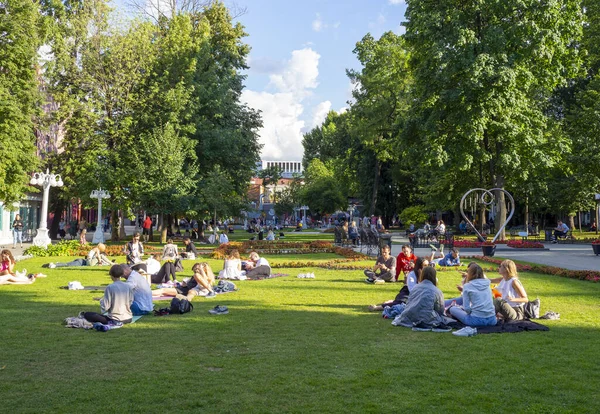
(300,53)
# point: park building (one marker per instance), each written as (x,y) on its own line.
(289,169)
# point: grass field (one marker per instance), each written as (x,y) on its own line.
(291,345)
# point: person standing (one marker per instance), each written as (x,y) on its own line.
(146,227)
(17,227)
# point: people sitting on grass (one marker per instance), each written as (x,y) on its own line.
(8,275)
(477,301)
(190,249)
(384,269)
(270,235)
(424,309)
(200,284)
(411,280)
(223,238)
(593,226)
(561,230)
(452,258)
(142,294)
(95,257)
(511,305)
(169,256)
(405,262)
(257,267)
(115,305)
(134,250)
(7,266)
(232,267)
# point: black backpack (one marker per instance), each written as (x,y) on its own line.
(180,306)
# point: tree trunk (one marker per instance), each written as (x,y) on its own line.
(163,229)
(375,187)
(122,233)
(114,230)
(571,221)
(527,214)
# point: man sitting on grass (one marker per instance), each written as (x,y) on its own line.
(257,267)
(116,302)
(142,294)
(385,265)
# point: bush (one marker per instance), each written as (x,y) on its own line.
(63,248)
(413,215)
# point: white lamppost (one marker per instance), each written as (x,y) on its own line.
(46,180)
(99,234)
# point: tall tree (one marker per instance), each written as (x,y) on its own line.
(484,71)
(19,98)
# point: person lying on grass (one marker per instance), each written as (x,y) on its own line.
(425,305)
(450,259)
(96,257)
(511,305)
(116,302)
(411,281)
(477,301)
(9,277)
(201,284)
(385,265)
(142,294)
(257,266)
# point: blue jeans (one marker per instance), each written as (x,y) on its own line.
(74,263)
(471,320)
(136,311)
(448,302)
(17,236)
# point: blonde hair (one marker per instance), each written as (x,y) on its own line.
(233,254)
(511,268)
(101,247)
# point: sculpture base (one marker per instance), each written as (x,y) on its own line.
(41,239)
(98,236)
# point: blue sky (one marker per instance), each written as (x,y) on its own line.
(300,51)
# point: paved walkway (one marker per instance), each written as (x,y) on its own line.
(566,256)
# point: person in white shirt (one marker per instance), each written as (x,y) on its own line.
(257,266)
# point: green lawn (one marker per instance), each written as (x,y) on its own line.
(292,345)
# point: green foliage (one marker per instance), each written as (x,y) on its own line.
(62,248)
(413,215)
(19,99)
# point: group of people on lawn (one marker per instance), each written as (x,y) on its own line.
(420,303)
(124,299)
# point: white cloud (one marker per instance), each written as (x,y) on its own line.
(317,24)
(343,109)
(320,113)
(396,2)
(282,129)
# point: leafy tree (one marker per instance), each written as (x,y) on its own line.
(19,98)
(321,192)
(483,73)
(270,176)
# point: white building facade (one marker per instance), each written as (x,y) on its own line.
(289,169)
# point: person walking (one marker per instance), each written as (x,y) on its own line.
(17,227)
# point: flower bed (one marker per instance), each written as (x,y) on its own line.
(279,247)
(524,244)
(589,275)
(73,248)
(475,243)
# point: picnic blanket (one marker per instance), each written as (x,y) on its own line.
(506,327)
(272,276)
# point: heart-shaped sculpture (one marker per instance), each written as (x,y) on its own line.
(487,198)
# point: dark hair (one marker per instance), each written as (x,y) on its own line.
(428,273)
(454,250)
(136,234)
(419,266)
(187,239)
(116,271)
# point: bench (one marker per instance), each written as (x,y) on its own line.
(424,240)
(567,238)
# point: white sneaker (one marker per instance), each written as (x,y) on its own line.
(379,281)
(466,331)
(51,265)
(22,273)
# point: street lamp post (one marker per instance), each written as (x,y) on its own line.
(46,180)
(99,234)
(304,208)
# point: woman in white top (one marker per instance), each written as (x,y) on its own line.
(514,297)
(270,235)
(232,267)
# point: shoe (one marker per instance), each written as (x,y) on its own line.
(433,248)
(379,281)
(368,280)
(211,294)
(100,327)
(219,310)
(550,315)
(372,308)
(466,331)
(421,327)
(441,328)
(51,265)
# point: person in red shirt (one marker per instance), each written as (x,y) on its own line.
(405,262)
(146,226)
